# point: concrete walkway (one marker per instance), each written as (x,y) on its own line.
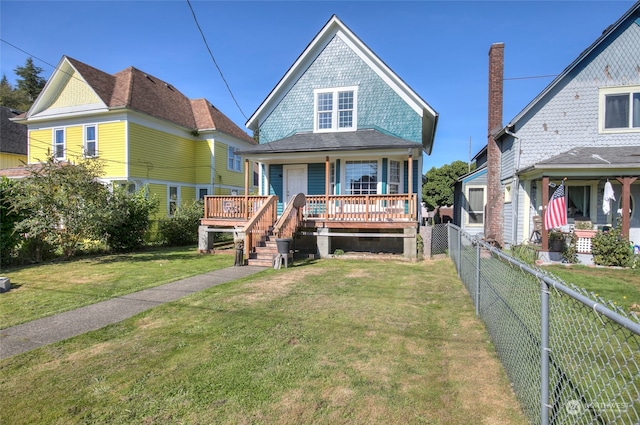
(27,336)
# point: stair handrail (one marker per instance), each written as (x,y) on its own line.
(260,224)
(291,217)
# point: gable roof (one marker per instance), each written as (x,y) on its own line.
(336,28)
(330,142)
(13,137)
(136,90)
(567,71)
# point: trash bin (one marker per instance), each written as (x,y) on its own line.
(284,245)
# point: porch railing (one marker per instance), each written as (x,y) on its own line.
(260,223)
(286,225)
(232,207)
(361,207)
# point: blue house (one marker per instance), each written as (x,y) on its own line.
(343,129)
(583,129)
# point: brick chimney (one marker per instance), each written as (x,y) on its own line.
(495,197)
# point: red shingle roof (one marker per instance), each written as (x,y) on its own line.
(139,91)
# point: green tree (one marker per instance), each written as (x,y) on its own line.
(438,189)
(62,203)
(29,84)
(8,96)
(182,227)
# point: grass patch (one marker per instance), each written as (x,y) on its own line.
(324,342)
(43,290)
(621,286)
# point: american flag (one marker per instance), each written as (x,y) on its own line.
(556,214)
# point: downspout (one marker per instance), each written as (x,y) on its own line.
(515,189)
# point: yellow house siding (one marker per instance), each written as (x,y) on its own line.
(73,139)
(75,92)
(154,154)
(188,195)
(12,160)
(224,176)
(159,191)
(40,145)
(202,162)
(112,148)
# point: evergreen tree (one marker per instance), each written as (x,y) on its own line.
(29,82)
(8,96)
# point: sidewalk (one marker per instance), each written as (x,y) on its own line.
(27,336)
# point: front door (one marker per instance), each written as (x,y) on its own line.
(295,181)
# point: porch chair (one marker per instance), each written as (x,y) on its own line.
(536,234)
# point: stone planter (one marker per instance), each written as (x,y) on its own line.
(556,245)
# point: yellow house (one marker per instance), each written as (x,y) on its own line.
(147,133)
(13,140)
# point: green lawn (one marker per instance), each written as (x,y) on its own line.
(46,289)
(621,286)
(324,342)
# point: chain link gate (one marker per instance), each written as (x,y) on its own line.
(570,358)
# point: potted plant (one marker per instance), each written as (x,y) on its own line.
(584,229)
(556,241)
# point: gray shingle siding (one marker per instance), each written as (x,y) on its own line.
(568,117)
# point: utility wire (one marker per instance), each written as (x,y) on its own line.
(530,78)
(214,60)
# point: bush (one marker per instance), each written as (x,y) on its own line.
(611,249)
(127,219)
(182,227)
(9,239)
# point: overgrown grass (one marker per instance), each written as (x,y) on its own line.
(621,286)
(47,289)
(325,342)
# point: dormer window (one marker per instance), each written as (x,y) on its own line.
(335,109)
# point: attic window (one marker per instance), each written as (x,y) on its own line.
(620,109)
(335,109)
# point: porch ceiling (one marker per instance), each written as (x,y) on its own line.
(304,143)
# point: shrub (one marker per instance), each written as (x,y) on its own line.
(569,252)
(127,219)
(9,239)
(611,248)
(182,227)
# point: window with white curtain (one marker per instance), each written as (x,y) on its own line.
(394,177)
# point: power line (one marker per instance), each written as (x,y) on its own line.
(530,78)
(214,60)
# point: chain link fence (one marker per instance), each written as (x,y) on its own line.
(571,358)
(435,239)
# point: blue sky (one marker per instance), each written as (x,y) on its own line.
(439,48)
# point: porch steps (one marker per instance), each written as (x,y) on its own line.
(264,254)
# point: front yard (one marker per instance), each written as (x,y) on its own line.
(326,342)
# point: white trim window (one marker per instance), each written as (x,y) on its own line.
(620,109)
(90,141)
(361,177)
(59,143)
(173,199)
(393,186)
(335,109)
(234,162)
(476,199)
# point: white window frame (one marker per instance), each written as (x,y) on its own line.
(234,160)
(332,178)
(390,182)
(468,205)
(63,144)
(175,202)
(334,110)
(346,186)
(86,141)
(620,90)
(199,188)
